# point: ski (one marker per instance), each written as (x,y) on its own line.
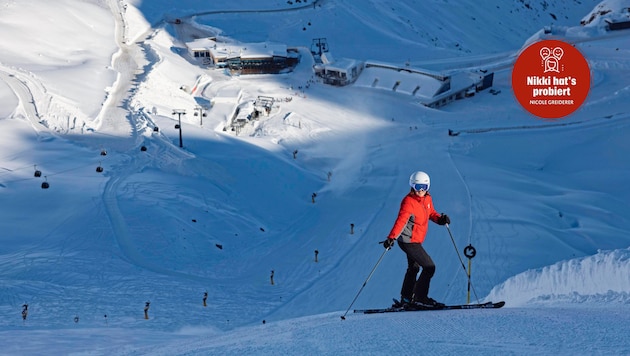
(488,305)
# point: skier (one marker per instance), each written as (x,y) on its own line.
(410,228)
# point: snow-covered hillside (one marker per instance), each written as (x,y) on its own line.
(94,84)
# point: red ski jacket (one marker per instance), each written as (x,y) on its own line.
(413,218)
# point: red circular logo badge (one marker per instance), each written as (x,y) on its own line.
(551,79)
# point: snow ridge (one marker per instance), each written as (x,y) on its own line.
(576,280)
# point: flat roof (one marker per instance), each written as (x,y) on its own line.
(242,50)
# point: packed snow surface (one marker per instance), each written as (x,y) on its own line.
(278,221)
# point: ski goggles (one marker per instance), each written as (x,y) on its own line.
(418,187)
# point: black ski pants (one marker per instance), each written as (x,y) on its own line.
(416,257)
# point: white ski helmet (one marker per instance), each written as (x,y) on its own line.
(420,181)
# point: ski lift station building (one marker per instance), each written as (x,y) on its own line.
(245,58)
(338,72)
(431,89)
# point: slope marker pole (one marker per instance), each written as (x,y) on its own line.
(462,263)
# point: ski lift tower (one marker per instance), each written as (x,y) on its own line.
(178,126)
(319,46)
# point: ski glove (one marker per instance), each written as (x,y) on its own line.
(443,220)
(388,243)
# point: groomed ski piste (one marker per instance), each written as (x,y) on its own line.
(545,203)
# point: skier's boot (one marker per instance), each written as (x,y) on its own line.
(402,303)
(427,302)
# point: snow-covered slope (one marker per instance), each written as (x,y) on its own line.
(544,203)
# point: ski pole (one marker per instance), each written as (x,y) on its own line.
(462,262)
(343,317)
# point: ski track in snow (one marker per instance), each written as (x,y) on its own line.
(18,83)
